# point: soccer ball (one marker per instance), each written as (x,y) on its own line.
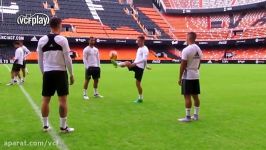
(113,55)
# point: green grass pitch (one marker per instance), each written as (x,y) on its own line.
(233,111)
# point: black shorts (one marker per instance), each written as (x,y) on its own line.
(55,81)
(16,67)
(94,72)
(138,72)
(190,87)
(24,65)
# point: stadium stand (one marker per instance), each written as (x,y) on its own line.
(110,19)
(117,20)
(200,4)
(153,20)
(14,9)
(232,26)
(106,19)
(249,54)
(7,52)
(81,18)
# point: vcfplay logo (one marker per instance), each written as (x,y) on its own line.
(36,19)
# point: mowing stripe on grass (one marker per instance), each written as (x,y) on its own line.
(59,142)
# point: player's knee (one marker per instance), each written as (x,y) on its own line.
(62,105)
(138,83)
(196,97)
(187,97)
(62,100)
(46,100)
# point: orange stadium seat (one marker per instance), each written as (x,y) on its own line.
(201,25)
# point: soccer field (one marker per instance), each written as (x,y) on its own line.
(232,115)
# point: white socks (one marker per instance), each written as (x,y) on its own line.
(84,91)
(188,112)
(96,91)
(63,123)
(196,111)
(45,121)
(121,64)
(140,96)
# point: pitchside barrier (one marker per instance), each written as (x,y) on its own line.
(169,42)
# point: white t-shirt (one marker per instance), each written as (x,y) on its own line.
(142,57)
(91,57)
(26,51)
(54,60)
(19,56)
(193,55)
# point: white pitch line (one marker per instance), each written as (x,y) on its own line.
(57,139)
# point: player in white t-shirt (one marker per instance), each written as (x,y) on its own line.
(91,60)
(54,61)
(189,76)
(18,62)
(138,66)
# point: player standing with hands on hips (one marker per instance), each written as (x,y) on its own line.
(54,61)
(189,76)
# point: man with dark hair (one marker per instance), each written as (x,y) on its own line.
(141,37)
(192,36)
(189,76)
(54,61)
(18,62)
(91,60)
(138,66)
(55,23)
